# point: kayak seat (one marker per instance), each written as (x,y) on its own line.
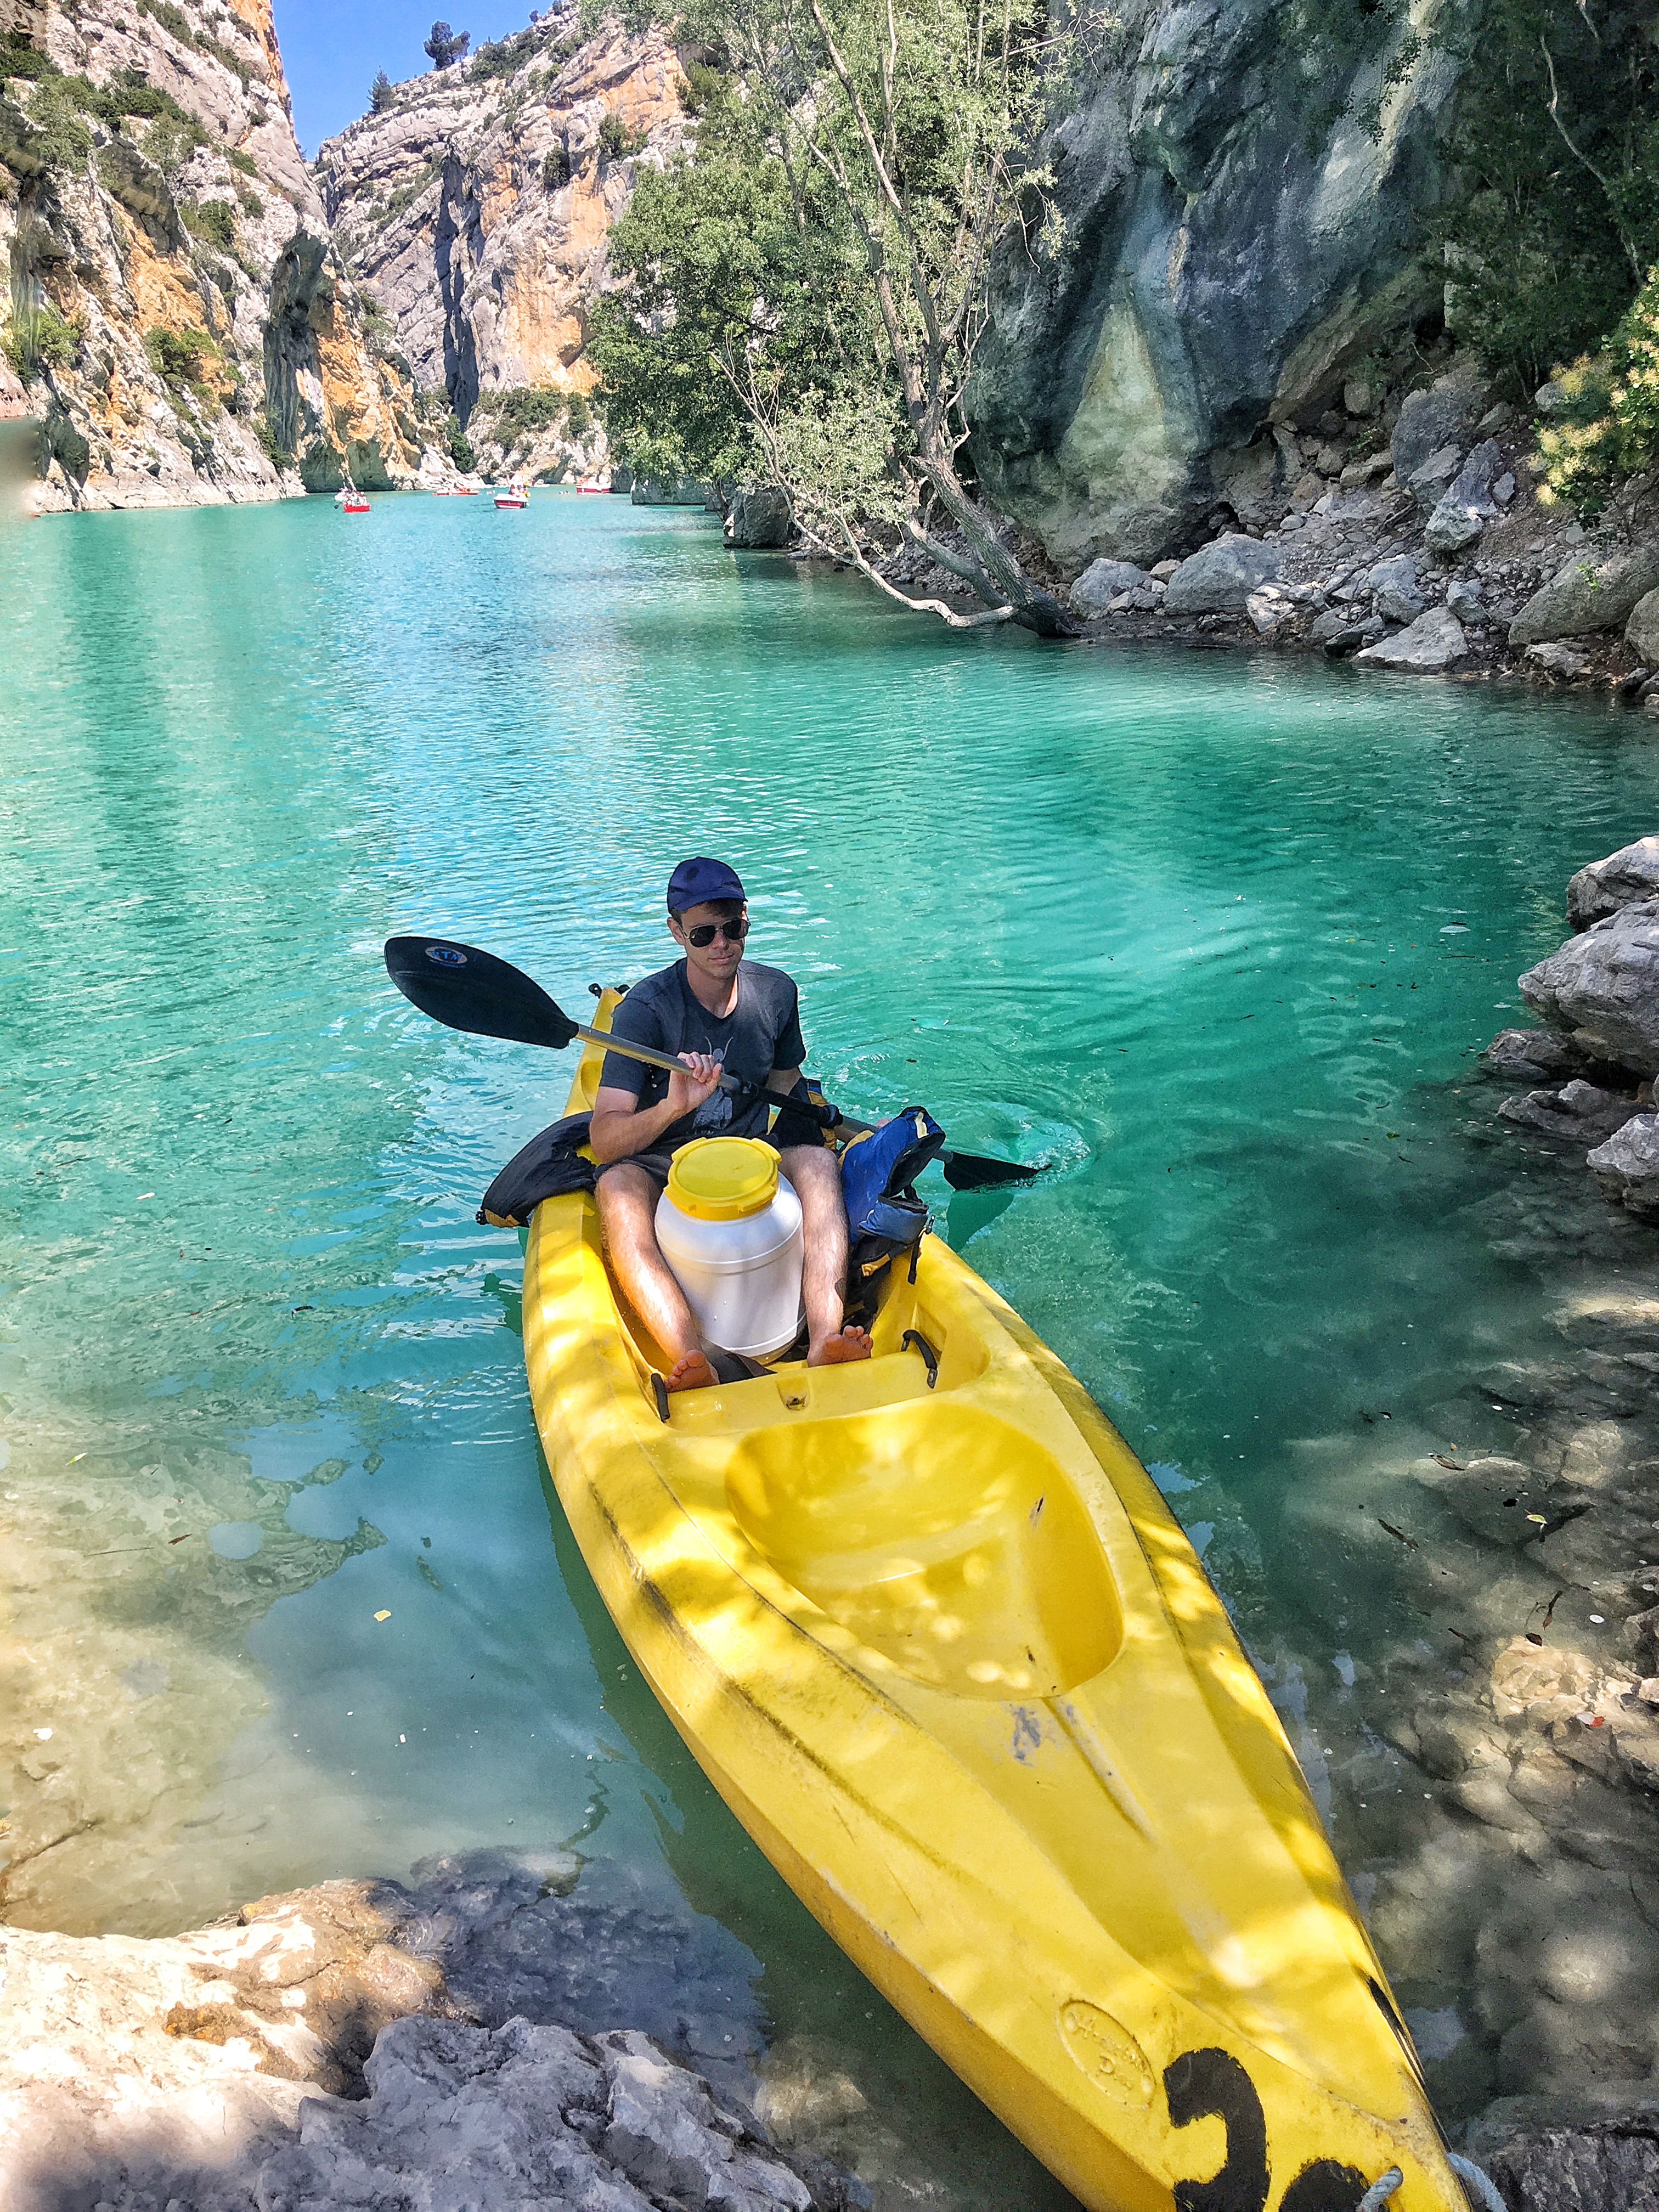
(940,1536)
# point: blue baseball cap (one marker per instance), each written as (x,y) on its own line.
(697,882)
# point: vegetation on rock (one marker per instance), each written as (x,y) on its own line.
(1604,422)
(1554,224)
(617,137)
(379,93)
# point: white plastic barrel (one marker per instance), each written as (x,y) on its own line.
(729,1226)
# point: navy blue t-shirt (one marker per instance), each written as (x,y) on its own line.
(762,1032)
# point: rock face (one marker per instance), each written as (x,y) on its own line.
(1238,240)
(475,202)
(493,2014)
(1624,877)
(1432,642)
(182,326)
(1602,987)
(1586,596)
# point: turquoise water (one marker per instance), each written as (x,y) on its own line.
(1215,935)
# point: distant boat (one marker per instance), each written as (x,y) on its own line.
(592,486)
(514,494)
(350,501)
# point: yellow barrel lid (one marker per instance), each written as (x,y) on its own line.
(723,1178)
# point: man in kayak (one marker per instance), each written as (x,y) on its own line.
(714,1011)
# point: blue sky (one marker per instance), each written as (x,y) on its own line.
(331,50)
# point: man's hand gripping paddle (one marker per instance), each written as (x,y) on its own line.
(465,988)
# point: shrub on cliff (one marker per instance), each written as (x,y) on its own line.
(617,137)
(556,167)
(63,140)
(213,219)
(522,407)
(39,337)
(1605,425)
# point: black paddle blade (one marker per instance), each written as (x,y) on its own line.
(465,988)
(978,1171)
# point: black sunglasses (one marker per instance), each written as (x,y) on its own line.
(706,932)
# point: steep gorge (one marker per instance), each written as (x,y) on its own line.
(474,205)
(180,322)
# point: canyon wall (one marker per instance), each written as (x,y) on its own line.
(1243,210)
(474,202)
(178,322)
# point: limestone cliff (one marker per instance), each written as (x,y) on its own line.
(1241,221)
(178,319)
(474,205)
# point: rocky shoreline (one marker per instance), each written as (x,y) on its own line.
(506,2029)
(1402,532)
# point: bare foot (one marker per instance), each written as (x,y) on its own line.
(853,1343)
(691,1371)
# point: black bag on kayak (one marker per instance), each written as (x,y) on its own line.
(551,1165)
(885,1219)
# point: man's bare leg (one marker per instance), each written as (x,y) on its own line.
(830,1337)
(627,1200)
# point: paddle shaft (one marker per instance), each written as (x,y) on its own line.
(652,1058)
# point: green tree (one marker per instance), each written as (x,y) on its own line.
(899,139)
(1556,224)
(379,93)
(446,46)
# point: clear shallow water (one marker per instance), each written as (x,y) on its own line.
(1218,936)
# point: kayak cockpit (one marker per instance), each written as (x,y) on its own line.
(940,1536)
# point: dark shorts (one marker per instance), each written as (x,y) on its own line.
(656,1164)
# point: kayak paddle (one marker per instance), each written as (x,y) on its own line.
(466,989)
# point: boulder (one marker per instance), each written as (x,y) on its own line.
(1443,415)
(1558,661)
(760,518)
(1642,631)
(1579,1110)
(1533,1055)
(1602,987)
(1429,484)
(1393,587)
(1432,642)
(1465,601)
(1101,582)
(1587,595)
(1604,886)
(1627,1166)
(1463,509)
(1220,577)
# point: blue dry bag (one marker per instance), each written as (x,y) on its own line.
(884,1217)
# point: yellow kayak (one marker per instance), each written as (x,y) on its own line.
(929,1628)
